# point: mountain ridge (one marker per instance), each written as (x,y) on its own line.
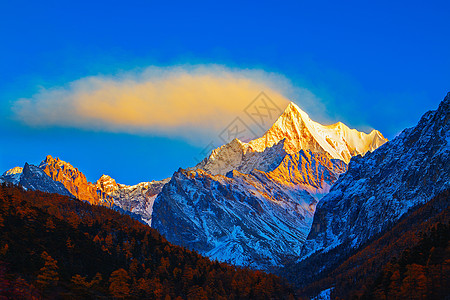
(379,188)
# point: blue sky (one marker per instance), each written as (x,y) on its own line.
(368,64)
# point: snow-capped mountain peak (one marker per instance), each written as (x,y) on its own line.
(293,131)
(260,212)
(12,175)
(13,171)
(300,132)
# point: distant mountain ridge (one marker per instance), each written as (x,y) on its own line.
(56,176)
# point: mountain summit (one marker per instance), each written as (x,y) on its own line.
(293,131)
(300,132)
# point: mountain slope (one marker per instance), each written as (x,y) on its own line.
(137,199)
(382,186)
(257,219)
(239,156)
(33,178)
(361,272)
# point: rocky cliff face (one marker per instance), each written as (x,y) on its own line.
(381,186)
(137,199)
(74,181)
(34,178)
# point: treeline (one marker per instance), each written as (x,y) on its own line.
(52,247)
(409,261)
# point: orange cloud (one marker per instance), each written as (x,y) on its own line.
(187,102)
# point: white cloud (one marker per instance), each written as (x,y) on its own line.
(191,102)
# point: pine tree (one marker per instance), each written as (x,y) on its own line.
(119,287)
(48,275)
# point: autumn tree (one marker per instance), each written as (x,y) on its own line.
(119,286)
(48,275)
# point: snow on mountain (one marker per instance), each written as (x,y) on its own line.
(297,131)
(383,185)
(300,132)
(257,219)
(137,199)
(12,175)
(239,156)
(253,203)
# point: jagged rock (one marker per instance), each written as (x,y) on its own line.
(74,181)
(137,199)
(33,178)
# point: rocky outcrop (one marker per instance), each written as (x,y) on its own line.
(33,178)
(74,181)
(137,199)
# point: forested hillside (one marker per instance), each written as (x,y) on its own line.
(52,246)
(411,260)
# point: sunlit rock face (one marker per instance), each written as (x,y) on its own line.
(137,199)
(33,178)
(382,186)
(297,132)
(253,203)
(74,181)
